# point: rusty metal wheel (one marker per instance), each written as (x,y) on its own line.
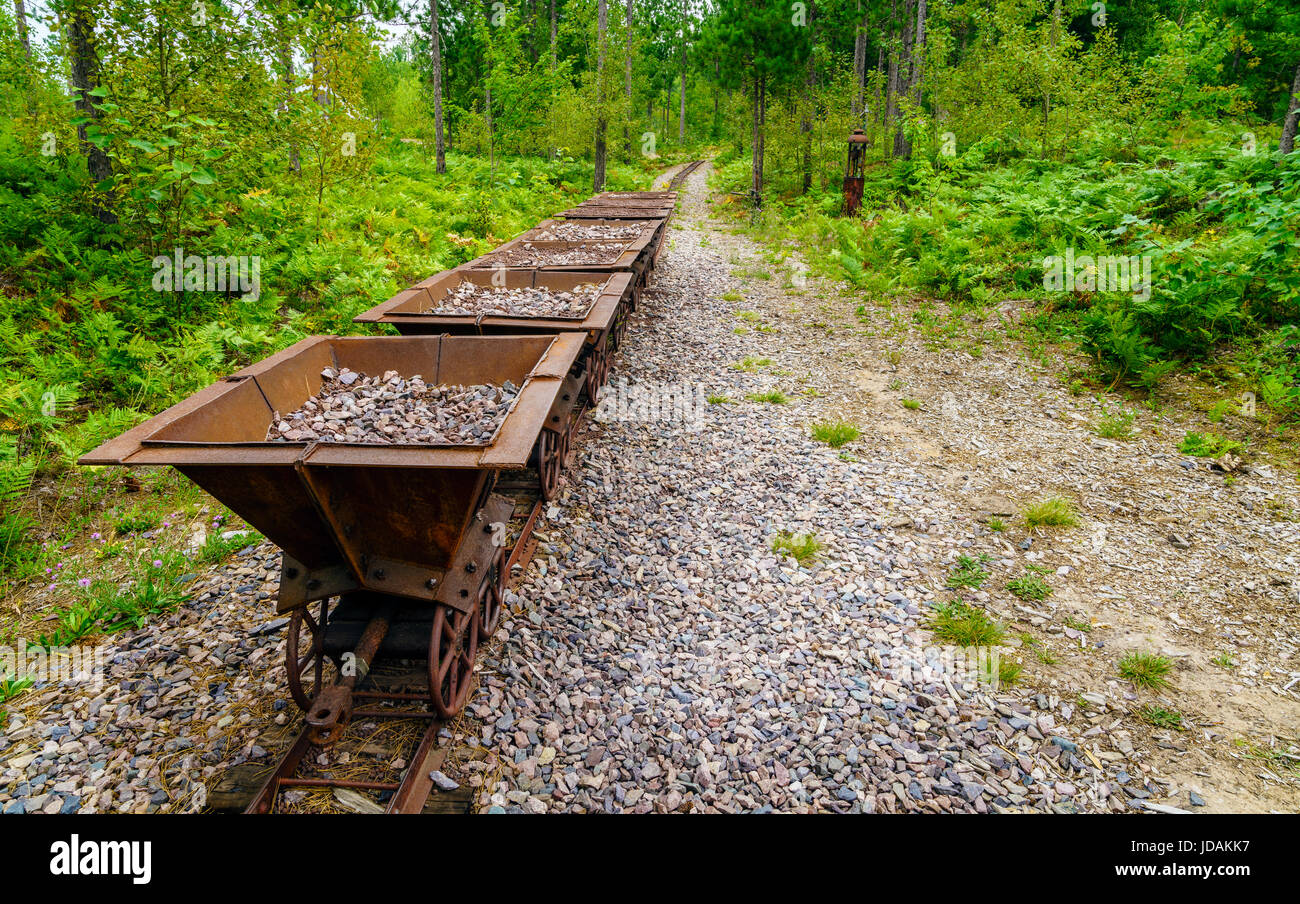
(309,668)
(453,644)
(491,597)
(550,460)
(597,369)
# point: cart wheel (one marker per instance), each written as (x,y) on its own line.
(550,461)
(491,597)
(597,369)
(453,645)
(304,656)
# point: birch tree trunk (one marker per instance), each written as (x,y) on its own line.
(1287,144)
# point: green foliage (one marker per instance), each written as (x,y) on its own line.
(1208,445)
(1054,512)
(968,572)
(1160,717)
(803,548)
(1031,587)
(1146,670)
(835,433)
(958,623)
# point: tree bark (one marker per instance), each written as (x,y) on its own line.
(891,76)
(1287,144)
(902,77)
(627,81)
(20,19)
(85,78)
(435,46)
(859,65)
(681,116)
(602,24)
(756,158)
(284,49)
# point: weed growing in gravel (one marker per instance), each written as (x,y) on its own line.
(1053,512)
(997,525)
(895,385)
(911,404)
(719,400)
(1208,445)
(1027,639)
(1146,670)
(1030,588)
(1224,661)
(968,573)
(1047,657)
(893,357)
(772,397)
(732,295)
(1008,672)
(1160,717)
(740,331)
(215,549)
(1078,624)
(964,625)
(835,433)
(749,316)
(749,364)
(1117,425)
(802,548)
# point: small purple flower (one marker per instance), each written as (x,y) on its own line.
(94,536)
(65,546)
(157,563)
(49,571)
(51,587)
(60,565)
(83,582)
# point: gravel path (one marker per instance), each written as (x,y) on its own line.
(664,658)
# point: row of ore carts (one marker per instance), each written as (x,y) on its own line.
(400,552)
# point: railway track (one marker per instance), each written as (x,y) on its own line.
(681,175)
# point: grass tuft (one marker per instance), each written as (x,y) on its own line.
(1053,512)
(835,433)
(1146,670)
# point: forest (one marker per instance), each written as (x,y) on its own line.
(327,154)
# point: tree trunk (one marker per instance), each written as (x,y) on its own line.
(916,67)
(20,19)
(627,82)
(756,154)
(891,76)
(859,65)
(85,78)
(435,45)
(1287,144)
(805,125)
(681,116)
(553,34)
(902,88)
(602,24)
(284,49)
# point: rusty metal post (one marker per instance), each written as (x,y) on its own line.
(853,177)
